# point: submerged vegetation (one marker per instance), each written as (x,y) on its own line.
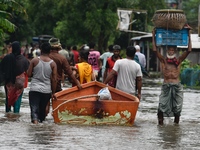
(190,74)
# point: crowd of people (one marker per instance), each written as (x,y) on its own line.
(49,64)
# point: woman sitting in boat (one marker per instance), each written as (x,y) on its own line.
(83,70)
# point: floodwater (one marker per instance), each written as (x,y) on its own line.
(17,132)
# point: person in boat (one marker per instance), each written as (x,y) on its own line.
(110,63)
(171,97)
(43,72)
(128,72)
(13,69)
(83,70)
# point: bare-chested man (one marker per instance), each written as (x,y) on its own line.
(171,97)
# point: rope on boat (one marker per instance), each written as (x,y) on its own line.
(77,98)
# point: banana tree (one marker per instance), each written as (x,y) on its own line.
(7,7)
(5,24)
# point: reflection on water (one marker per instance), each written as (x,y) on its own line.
(41,134)
(17,131)
(11,117)
(171,136)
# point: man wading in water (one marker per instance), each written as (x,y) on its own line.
(171,97)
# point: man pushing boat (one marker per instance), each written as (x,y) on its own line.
(129,74)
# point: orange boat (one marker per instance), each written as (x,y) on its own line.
(73,106)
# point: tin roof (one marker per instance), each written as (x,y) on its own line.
(143,37)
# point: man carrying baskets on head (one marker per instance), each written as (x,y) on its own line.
(171,97)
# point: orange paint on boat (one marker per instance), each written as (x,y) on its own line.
(73,106)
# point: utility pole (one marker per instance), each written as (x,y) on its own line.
(180,6)
(199,22)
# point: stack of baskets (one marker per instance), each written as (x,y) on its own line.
(170,29)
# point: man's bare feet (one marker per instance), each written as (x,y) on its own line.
(35,122)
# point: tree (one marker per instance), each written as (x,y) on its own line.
(7,10)
(5,24)
(84,21)
(191,9)
(77,22)
(43,16)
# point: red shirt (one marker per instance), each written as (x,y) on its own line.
(76,55)
(110,64)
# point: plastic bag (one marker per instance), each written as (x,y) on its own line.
(104,94)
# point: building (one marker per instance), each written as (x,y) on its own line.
(194,57)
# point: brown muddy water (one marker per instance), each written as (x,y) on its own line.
(17,132)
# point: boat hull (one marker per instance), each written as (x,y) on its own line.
(84,107)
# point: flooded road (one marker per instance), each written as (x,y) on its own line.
(17,131)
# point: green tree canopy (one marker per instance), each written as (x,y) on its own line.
(77,22)
(8,10)
(191,8)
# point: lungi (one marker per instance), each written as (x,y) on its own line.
(171,99)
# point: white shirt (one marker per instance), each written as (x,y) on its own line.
(141,58)
(127,71)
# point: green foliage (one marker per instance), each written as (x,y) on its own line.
(9,9)
(42,16)
(190,8)
(5,24)
(123,53)
(77,22)
(88,20)
(151,6)
(195,68)
(185,64)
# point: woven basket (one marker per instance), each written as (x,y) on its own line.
(169,19)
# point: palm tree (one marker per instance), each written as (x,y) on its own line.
(5,24)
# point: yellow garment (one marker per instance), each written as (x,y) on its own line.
(85,72)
